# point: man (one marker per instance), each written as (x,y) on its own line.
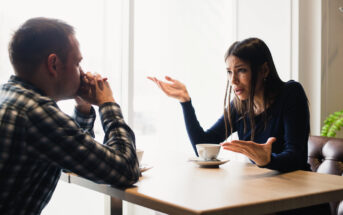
(37,139)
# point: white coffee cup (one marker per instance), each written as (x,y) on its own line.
(208,151)
(139,153)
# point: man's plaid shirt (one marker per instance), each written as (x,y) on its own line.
(37,140)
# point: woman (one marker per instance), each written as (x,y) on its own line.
(270,116)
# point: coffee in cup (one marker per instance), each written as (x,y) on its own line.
(208,151)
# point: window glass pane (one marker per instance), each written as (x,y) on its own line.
(187,41)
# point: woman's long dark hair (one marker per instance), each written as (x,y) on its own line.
(256,53)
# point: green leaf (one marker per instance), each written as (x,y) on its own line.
(332,124)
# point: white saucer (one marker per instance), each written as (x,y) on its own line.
(144,167)
(211,163)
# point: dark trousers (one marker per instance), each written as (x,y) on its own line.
(322,209)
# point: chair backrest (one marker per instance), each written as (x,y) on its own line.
(325,155)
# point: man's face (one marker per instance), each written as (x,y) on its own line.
(70,74)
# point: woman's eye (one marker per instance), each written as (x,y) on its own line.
(229,72)
(242,70)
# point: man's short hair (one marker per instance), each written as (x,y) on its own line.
(35,40)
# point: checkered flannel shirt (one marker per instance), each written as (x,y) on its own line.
(37,140)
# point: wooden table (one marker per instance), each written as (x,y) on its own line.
(182,188)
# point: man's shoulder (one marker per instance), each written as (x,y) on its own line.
(15,96)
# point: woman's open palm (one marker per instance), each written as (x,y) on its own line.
(173,88)
(259,153)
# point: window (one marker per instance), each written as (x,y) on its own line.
(187,41)
(128,40)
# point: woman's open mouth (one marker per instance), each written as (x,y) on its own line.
(239,91)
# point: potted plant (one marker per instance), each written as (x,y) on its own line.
(332,124)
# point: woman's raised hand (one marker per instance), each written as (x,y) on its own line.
(173,88)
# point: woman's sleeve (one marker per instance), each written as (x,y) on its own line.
(296,132)
(196,133)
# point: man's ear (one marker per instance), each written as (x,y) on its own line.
(53,62)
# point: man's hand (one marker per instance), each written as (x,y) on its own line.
(94,89)
(82,106)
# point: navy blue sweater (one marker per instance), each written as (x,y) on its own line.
(288,121)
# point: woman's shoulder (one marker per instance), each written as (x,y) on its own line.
(291,84)
(291,92)
(293,87)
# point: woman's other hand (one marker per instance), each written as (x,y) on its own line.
(259,153)
(173,88)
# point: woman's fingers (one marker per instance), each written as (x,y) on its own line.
(259,153)
(247,151)
(168,78)
(154,79)
(174,81)
(242,142)
(247,148)
(239,143)
(271,140)
(159,85)
(233,148)
(151,78)
(237,147)
(159,82)
(164,87)
(172,88)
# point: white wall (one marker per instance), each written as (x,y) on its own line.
(306,41)
(270,21)
(310,57)
(321,58)
(332,58)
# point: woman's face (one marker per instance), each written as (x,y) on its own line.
(239,73)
